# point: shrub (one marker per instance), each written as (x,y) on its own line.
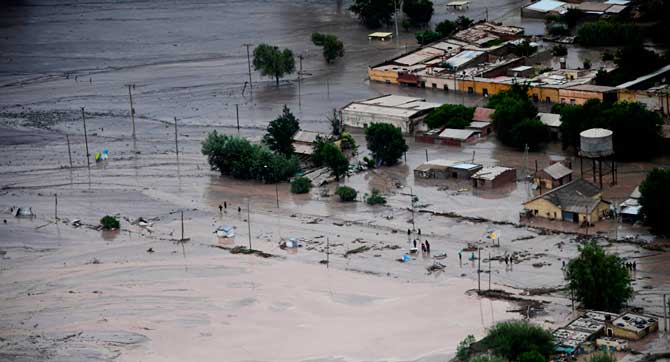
(427,37)
(110,223)
(487,358)
(655,200)
(602,357)
(559,50)
(532,356)
(450,115)
(346,193)
(607,32)
(385,142)
(514,338)
(301,185)
(463,348)
(375,198)
(348,142)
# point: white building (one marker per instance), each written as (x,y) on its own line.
(400,111)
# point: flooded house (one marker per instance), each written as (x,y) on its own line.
(443,169)
(578,201)
(303,142)
(492,177)
(552,176)
(403,112)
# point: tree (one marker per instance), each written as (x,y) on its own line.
(347,142)
(514,116)
(301,185)
(427,37)
(655,200)
(237,157)
(514,338)
(375,198)
(571,17)
(373,13)
(273,62)
(463,22)
(332,47)
(335,124)
(463,348)
(559,50)
(334,159)
(110,223)
(632,61)
(599,281)
(280,132)
(531,356)
(531,132)
(446,28)
(487,358)
(604,32)
(451,116)
(385,142)
(346,193)
(602,357)
(419,12)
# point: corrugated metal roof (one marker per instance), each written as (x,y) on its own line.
(557,171)
(483,114)
(576,196)
(544,6)
(380,110)
(307,136)
(466,166)
(550,119)
(463,58)
(479,125)
(490,173)
(644,77)
(420,56)
(458,134)
(391,100)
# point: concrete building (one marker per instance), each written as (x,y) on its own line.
(456,137)
(578,201)
(492,177)
(303,142)
(631,326)
(400,111)
(443,169)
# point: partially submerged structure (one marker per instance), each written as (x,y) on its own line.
(492,177)
(579,201)
(443,169)
(401,111)
(554,175)
(303,142)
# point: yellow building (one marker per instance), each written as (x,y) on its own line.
(577,201)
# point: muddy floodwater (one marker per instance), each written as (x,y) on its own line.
(70,292)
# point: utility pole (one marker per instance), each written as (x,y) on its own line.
(479,269)
(277,192)
(132,108)
(487,14)
(426,155)
(665,313)
(176,140)
(182,227)
(327,252)
(69,152)
(55,207)
(249,221)
(251,86)
(83,117)
(411,195)
(237,115)
(397,35)
(489,271)
(300,83)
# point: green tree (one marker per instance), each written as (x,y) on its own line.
(451,116)
(514,116)
(280,132)
(446,28)
(463,22)
(346,193)
(335,124)
(487,358)
(655,200)
(599,281)
(385,142)
(335,160)
(110,223)
(559,50)
(373,13)
(348,142)
(332,47)
(463,348)
(427,37)
(605,32)
(571,17)
(632,61)
(531,356)
(273,62)
(375,198)
(301,185)
(317,156)
(531,132)
(419,12)
(514,338)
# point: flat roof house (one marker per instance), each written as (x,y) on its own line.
(400,111)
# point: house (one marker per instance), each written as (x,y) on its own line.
(552,176)
(553,122)
(491,177)
(403,112)
(483,128)
(456,137)
(303,142)
(630,210)
(443,169)
(631,326)
(380,35)
(577,201)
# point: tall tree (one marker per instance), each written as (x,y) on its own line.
(513,118)
(335,160)
(419,12)
(385,142)
(332,47)
(451,116)
(280,132)
(373,13)
(598,280)
(446,28)
(273,62)
(655,200)
(463,22)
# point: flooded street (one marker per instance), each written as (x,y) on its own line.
(74,293)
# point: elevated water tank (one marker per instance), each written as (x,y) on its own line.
(596,142)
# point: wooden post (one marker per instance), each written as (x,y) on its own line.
(489,271)
(83,117)
(69,152)
(426,155)
(327,252)
(479,269)
(132,108)
(176,141)
(237,115)
(56,207)
(182,227)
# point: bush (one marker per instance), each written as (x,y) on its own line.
(446,28)
(588,273)
(487,358)
(385,142)
(607,32)
(237,157)
(375,198)
(348,142)
(463,348)
(514,338)
(532,356)
(602,357)
(346,193)
(301,185)
(559,50)
(427,37)
(655,200)
(332,47)
(373,13)
(110,223)
(418,11)
(450,115)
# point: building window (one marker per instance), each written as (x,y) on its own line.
(434,85)
(470,90)
(562,100)
(535,97)
(485,92)
(572,101)
(548,99)
(446,88)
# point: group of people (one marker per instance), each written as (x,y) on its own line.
(425,246)
(631,266)
(225,207)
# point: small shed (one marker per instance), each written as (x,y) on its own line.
(380,35)
(522,71)
(553,122)
(483,114)
(484,128)
(554,175)
(438,169)
(456,137)
(491,177)
(463,170)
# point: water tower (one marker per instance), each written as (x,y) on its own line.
(596,144)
